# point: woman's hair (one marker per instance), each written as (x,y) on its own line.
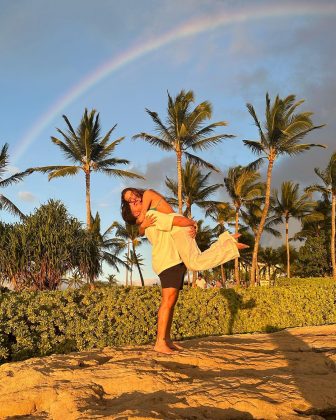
(136,191)
(125,207)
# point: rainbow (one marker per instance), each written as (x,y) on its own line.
(186,30)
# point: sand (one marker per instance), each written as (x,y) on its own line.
(285,375)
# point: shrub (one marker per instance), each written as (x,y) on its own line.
(41,323)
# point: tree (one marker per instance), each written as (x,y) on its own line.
(251,215)
(242,185)
(183,130)
(312,260)
(271,259)
(134,259)
(284,129)
(6,203)
(130,235)
(39,252)
(89,152)
(195,188)
(110,247)
(328,190)
(291,204)
(221,213)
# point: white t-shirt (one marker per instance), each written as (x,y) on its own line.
(164,252)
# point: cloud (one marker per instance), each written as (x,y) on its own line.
(27,196)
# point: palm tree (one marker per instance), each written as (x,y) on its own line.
(290,204)
(251,216)
(6,203)
(284,128)
(221,213)
(89,152)
(110,247)
(270,257)
(184,129)
(242,185)
(130,235)
(328,189)
(195,188)
(134,259)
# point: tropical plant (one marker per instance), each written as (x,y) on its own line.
(6,203)
(129,234)
(313,257)
(242,185)
(221,213)
(110,247)
(184,129)
(112,279)
(291,205)
(89,152)
(284,129)
(74,281)
(195,188)
(134,259)
(251,215)
(271,259)
(39,252)
(328,189)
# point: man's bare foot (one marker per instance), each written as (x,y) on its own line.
(162,347)
(174,346)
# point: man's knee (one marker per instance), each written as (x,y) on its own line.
(169,298)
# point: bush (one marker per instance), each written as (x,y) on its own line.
(41,323)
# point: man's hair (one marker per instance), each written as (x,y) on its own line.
(127,214)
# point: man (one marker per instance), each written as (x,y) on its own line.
(200,282)
(168,242)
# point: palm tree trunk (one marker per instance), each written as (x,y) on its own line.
(287,248)
(138,265)
(179,179)
(223,275)
(128,254)
(332,244)
(88,204)
(236,266)
(262,222)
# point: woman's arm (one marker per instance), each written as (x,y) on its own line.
(147,199)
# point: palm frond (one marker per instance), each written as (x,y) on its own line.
(119,173)
(64,171)
(200,162)
(156,141)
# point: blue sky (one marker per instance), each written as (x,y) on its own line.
(48,48)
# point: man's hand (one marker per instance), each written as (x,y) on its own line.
(193,231)
(148,221)
(239,245)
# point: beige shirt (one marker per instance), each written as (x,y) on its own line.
(164,251)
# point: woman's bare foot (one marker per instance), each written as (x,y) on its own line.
(163,347)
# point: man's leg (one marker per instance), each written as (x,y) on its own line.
(165,317)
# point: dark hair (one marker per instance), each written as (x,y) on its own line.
(125,207)
(127,214)
(137,191)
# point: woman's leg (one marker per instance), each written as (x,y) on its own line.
(221,251)
(165,317)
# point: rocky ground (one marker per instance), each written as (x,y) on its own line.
(285,375)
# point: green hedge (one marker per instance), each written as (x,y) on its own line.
(42,323)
